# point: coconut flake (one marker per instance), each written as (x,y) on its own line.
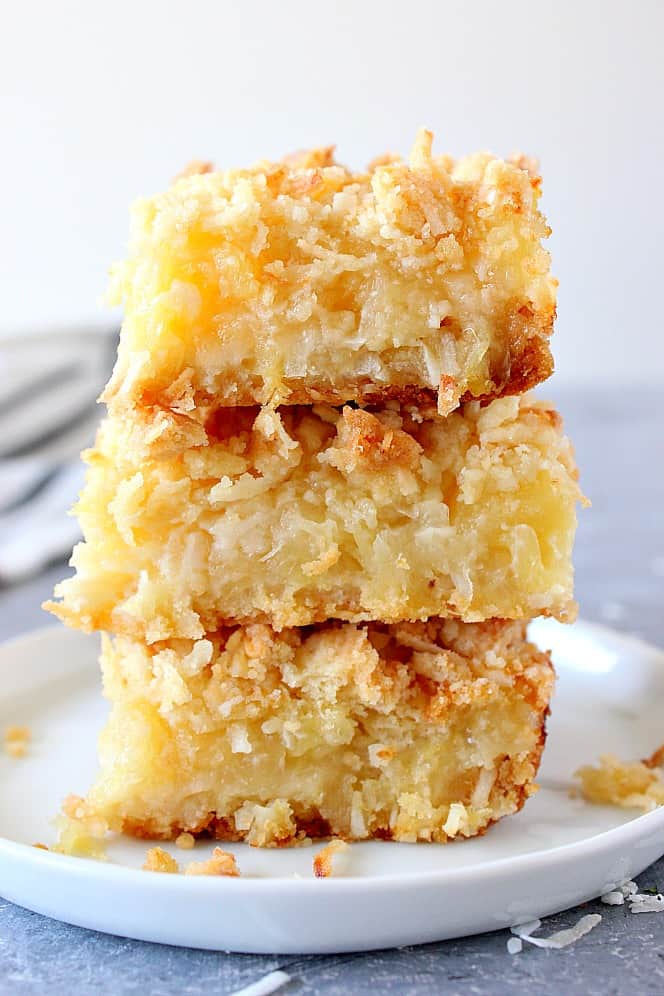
(614,898)
(263,987)
(641,902)
(521,929)
(562,938)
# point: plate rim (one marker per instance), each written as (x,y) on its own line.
(544,859)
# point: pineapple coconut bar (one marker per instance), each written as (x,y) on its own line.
(322,509)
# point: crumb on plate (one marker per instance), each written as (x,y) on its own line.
(185,841)
(323,860)
(221,863)
(17,739)
(628,784)
(159,860)
(81,831)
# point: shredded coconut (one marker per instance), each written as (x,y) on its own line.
(520,929)
(456,817)
(323,860)
(562,938)
(265,986)
(614,898)
(641,902)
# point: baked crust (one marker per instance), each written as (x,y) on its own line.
(417,731)
(301,281)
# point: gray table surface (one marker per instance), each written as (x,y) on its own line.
(619,438)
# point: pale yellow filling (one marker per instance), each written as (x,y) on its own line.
(302,515)
(422,731)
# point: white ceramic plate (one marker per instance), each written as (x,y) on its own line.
(556,853)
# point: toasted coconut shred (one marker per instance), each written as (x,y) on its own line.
(323,860)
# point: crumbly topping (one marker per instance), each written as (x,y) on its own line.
(413,275)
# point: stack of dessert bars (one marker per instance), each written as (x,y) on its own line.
(322,509)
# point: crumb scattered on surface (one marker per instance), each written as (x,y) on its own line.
(628,784)
(613,898)
(185,841)
(629,888)
(649,901)
(640,902)
(17,739)
(81,831)
(41,847)
(221,863)
(265,986)
(159,860)
(514,945)
(323,860)
(561,938)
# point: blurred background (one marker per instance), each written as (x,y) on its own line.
(101,104)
